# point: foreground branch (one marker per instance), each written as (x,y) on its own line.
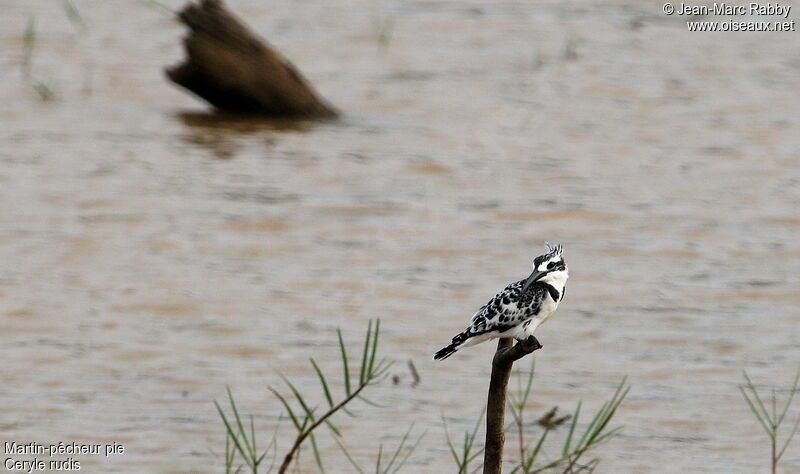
(287,460)
(234,70)
(503,360)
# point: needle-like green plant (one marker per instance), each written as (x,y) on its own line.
(594,434)
(306,421)
(771,419)
(574,446)
(239,440)
(306,418)
(467,452)
(395,463)
(549,422)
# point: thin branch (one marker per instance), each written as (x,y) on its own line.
(304,434)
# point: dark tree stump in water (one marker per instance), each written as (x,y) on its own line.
(234,70)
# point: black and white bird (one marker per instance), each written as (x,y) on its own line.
(520,308)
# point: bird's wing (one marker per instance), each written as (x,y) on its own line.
(501,312)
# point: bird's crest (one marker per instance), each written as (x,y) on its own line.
(554,250)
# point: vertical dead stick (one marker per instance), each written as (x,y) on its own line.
(414,374)
(503,361)
(234,70)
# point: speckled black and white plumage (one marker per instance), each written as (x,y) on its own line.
(520,308)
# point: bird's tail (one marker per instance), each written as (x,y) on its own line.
(447,351)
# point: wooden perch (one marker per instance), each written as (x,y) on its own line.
(503,360)
(234,70)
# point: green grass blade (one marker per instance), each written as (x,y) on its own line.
(789,439)
(288,408)
(474,455)
(607,435)
(333,428)
(478,423)
(399,448)
(256,461)
(592,428)
(571,432)
(370,402)
(230,454)
(512,397)
(349,457)
(240,425)
(529,384)
(317,457)
(760,403)
(381,371)
(309,412)
(466,446)
(592,434)
(515,411)
(602,416)
(370,373)
(450,444)
(774,416)
(344,363)
(231,433)
(378,461)
(615,402)
(273,444)
(261,458)
(305,422)
(469,441)
(362,373)
(755,411)
(792,393)
(535,452)
(549,465)
(410,450)
(604,420)
(322,381)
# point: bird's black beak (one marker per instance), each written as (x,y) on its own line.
(536,275)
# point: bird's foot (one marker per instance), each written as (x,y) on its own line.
(531,344)
(509,354)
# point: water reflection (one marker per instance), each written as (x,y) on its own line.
(223,133)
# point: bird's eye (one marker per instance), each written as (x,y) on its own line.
(551,265)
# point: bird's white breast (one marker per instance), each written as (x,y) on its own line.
(546,310)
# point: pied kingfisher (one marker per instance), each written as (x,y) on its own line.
(520,308)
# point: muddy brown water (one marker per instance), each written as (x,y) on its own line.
(153,253)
